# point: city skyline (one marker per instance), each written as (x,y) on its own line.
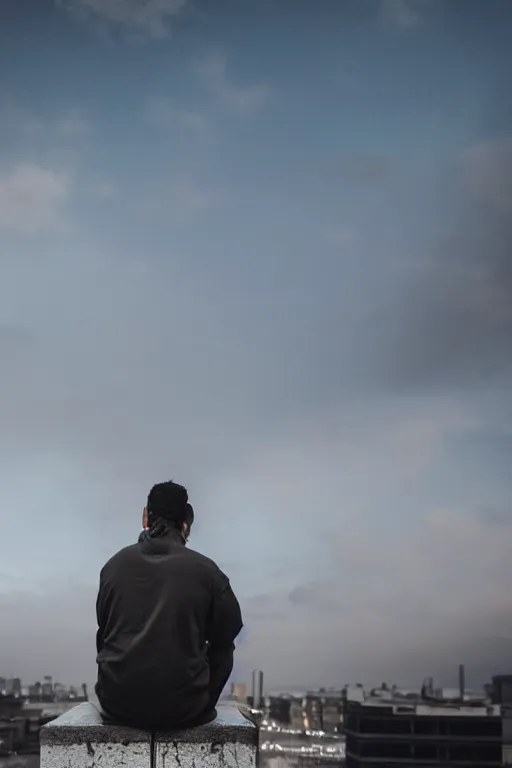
(266,253)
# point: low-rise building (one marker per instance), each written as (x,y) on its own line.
(389,730)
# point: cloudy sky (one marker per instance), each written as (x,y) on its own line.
(263,249)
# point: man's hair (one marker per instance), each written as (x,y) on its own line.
(169,502)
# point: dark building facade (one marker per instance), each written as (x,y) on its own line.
(501,693)
(322,710)
(411,733)
(279,709)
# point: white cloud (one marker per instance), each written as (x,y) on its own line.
(179,200)
(187,198)
(148,17)
(73,126)
(103,188)
(212,69)
(167,116)
(106,189)
(32,199)
(341,236)
(489,171)
(403,13)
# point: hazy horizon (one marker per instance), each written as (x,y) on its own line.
(267,253)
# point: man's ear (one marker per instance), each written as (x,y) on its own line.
(145,519)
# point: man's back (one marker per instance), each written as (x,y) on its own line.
(165,614)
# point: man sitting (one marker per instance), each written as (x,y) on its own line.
(167,622)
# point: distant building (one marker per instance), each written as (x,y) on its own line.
(257,689)
(239,692)
(47,689)
(390,731)
(279,708)
(35,691)
(318,710)
(501,693)
(13,686)
(323,708)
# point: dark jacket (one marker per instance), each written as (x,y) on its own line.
(167,621)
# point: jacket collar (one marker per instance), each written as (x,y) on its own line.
(171,537)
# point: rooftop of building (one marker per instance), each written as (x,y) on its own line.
(445,702)
(316,693)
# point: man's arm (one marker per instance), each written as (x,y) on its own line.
(225,624)
(100,617)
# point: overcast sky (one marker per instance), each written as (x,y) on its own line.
(261,248)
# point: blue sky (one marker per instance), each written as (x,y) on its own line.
(264,249)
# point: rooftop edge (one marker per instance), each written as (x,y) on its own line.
(84,724)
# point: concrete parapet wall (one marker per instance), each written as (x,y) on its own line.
(81,739)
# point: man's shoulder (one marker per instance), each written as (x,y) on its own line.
(206,564)
(123,555)
(200,559)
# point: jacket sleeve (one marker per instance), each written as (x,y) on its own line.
(100,616)
(225,621)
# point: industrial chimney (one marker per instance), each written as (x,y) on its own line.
(257,689)
(462,682)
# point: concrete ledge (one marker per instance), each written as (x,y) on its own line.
(228,727)
(84,724)
(230,741)
(81,739)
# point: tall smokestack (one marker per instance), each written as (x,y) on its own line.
(462,682)
(257,689)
